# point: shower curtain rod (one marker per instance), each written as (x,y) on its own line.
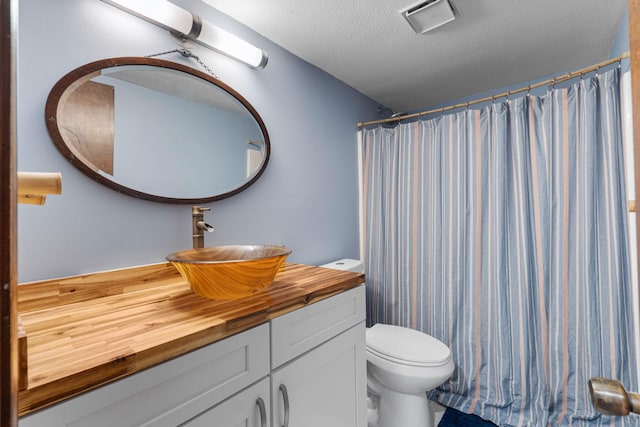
(552,81)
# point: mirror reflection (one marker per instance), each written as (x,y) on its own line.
(157,130)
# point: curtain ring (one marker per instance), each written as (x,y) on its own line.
(582,75)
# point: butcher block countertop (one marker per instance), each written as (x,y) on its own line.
(86,331)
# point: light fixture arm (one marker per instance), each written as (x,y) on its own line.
(196,29)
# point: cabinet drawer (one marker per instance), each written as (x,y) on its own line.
(239,410)
(170,393)
(301,330)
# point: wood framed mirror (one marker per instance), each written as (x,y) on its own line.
(157,130)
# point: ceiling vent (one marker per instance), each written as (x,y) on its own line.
(426,15)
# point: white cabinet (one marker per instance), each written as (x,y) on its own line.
(170,393)
(319,365)
(301,330)
(324,387)
(314,355)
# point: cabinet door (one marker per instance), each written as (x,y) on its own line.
(249,408)
(324,387)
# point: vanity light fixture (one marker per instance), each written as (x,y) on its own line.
(426,15)
(187,27)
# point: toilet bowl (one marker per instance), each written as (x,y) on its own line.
(402,366)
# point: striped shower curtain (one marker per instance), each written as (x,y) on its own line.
(502,231)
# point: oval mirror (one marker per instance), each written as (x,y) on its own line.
(157,130)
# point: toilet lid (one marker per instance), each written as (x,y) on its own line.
(406,345)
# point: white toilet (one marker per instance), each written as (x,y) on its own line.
(402,365)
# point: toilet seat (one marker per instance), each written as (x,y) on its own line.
(406,362)
(406,346)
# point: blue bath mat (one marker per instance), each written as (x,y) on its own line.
(455,418)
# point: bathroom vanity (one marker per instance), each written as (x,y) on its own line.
(136,347)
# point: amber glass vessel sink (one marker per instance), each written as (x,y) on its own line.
(229,272)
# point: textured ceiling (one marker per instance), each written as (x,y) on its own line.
(491,44)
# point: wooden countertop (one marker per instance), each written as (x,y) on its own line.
(86,331)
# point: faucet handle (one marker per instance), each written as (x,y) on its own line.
(195,210)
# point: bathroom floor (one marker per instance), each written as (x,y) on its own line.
(455,418)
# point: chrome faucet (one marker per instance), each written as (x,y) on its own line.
(198,226)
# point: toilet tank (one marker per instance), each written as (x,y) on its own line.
(346,264)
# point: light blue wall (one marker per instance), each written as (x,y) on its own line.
(621,43)
(306,199)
